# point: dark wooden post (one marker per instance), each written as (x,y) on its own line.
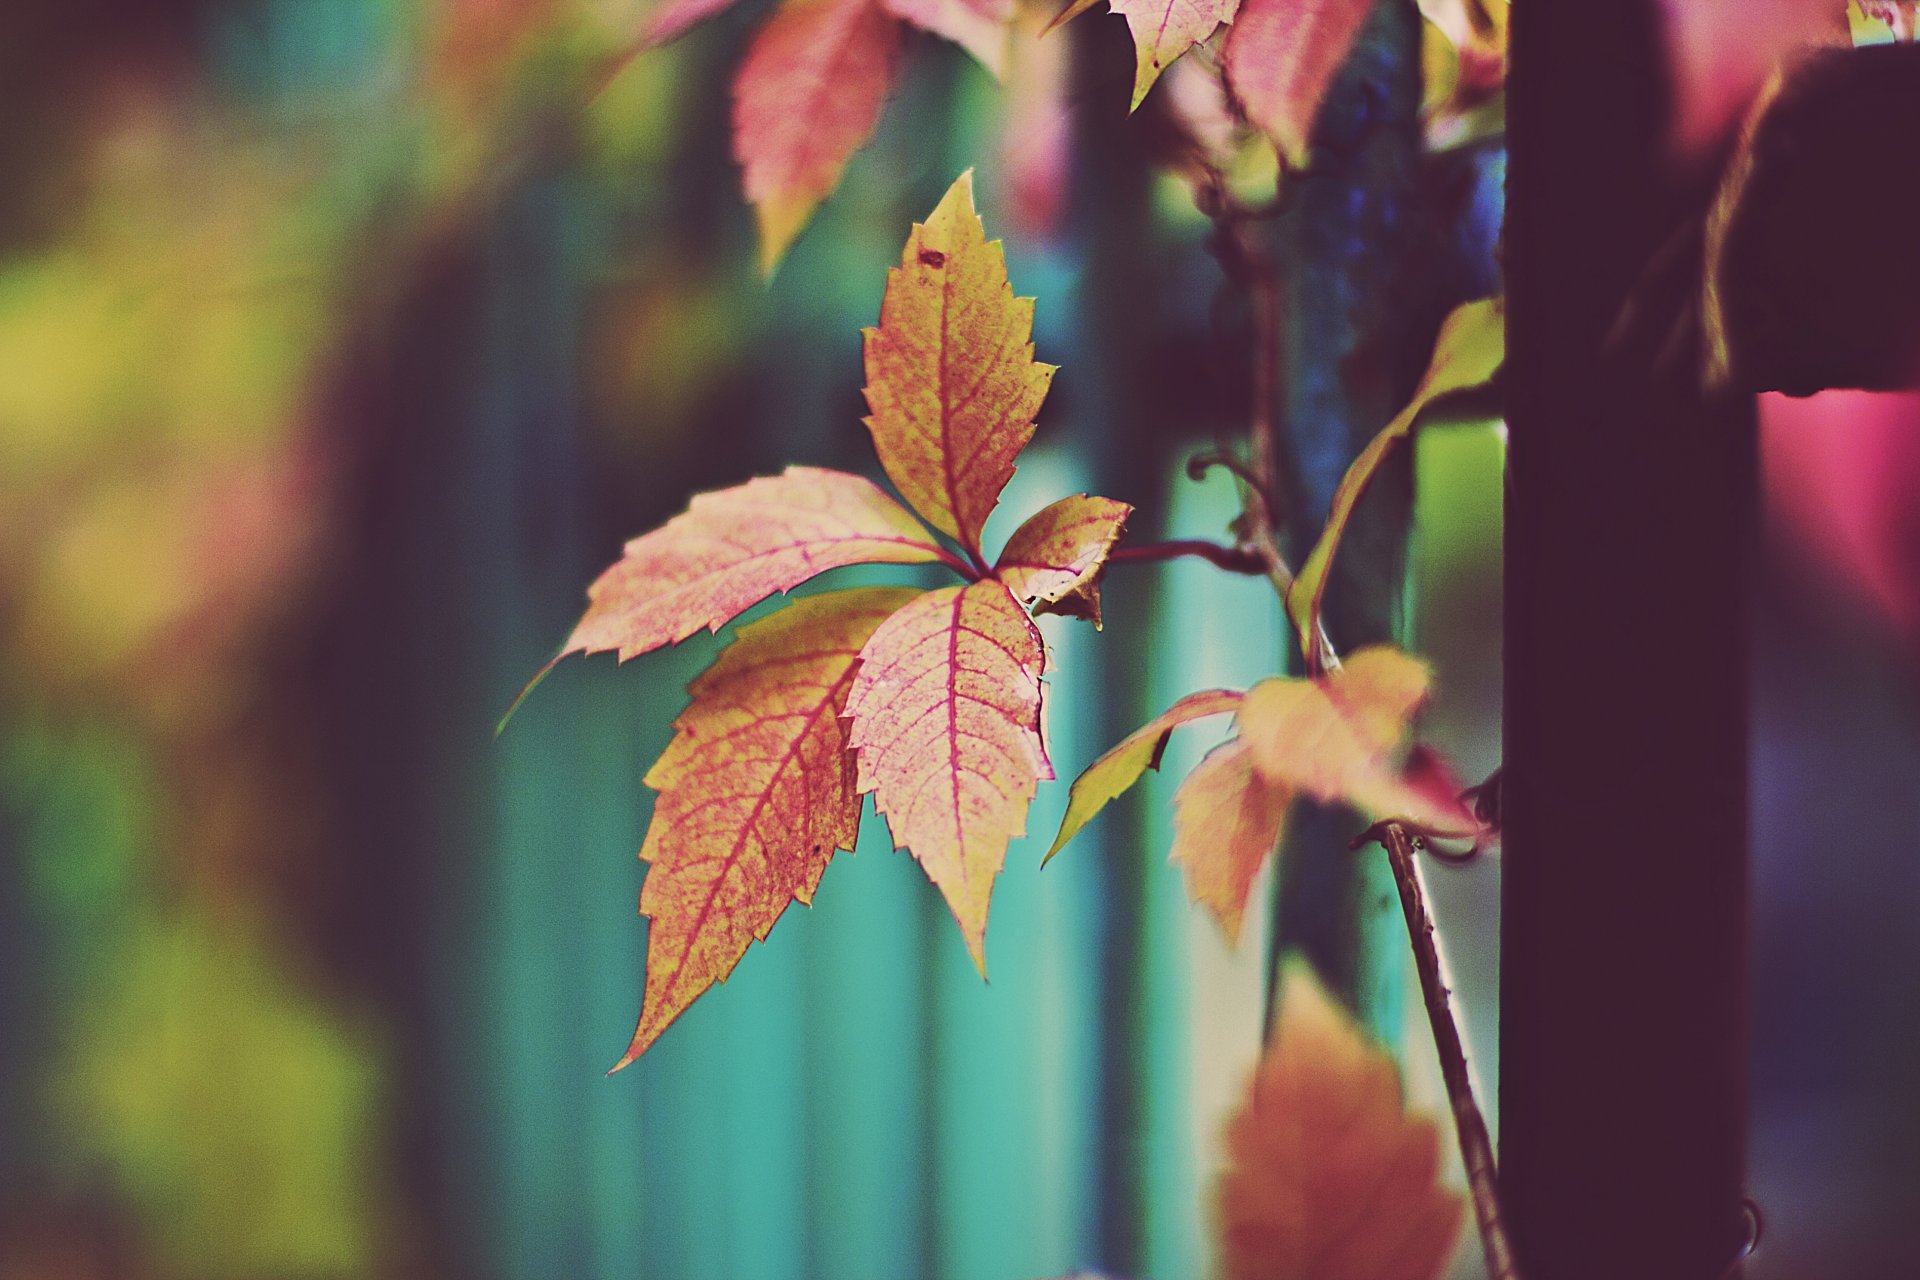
(1623,963)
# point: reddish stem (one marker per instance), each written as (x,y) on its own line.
(1232,559)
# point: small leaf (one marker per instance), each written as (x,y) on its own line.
(674,18)
(1052,563)
(951,378)
(804,100)
(1468,352)
(1165,29)
(756,794)
(1226,820)
(1333,737)
(978,26)
(733,548)
(1328,1177)
(1068,14)
(1109,777)
(946,727)
(1280,58)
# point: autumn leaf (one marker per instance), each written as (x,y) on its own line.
(1109,777)
(756,794)
(804,100)
(978,26)
(1226,820)
(1280,58)
(1333,737)
(1468,352)
(1165,29)
(735,547)
(951,379)
(1328,1177)
(1052,563)
(946,712)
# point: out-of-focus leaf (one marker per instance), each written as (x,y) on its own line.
(804,100)
(1052,563)
(756,795)
(1328,1177)
(946,726)
(1109,777)
(951,379)
(1035,137)
(1899,17)
(1333,737)
(1165,29)
(1463,55)
(1281,56)
(674,18)
(733,548)
(1226,820)
(980,27)
(1471,346)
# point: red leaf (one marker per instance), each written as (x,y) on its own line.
(951,378)
(978,26)
(756,794)
(733,548)
(1226,820)
(946,726)
(1328,1177)
(806,98)
(1281,57)
(1109,777)
(1054,559)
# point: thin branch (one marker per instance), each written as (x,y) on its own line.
(1476,1149)
(971,572)
(1232,559)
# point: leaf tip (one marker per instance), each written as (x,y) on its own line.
(781,218)
(532,684)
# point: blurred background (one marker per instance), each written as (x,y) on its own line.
(343,341)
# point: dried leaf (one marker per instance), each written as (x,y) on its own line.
(1226,820)
(980,27)
(1113,773)
(1054,560)
(951,378)
(804,100)
(756,794)
(1469,351)
(1280,58)
(946,727)
(1333,737)
(1165,29)
(735,547)
(1328,1177)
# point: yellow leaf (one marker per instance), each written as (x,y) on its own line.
(1165,29)
(1328,1177)
(1112,774)
(1226,820)
(1469,351)
(951,379)
(1052,563)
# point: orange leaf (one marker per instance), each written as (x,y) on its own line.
(1281,57)
(1333,737)
(805,99)
(951,378)
(1165,29)
(756,794)
(733,548)
(946,725)
(1054,559)
(1107,778)
(1469,351)
(1328,1177)
(1226,820)
(978,26)
(672,19)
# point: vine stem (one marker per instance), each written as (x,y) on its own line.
(1232,559)
(1476,1149)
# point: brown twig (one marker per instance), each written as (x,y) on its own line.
(1476,1149)
(1232,559)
